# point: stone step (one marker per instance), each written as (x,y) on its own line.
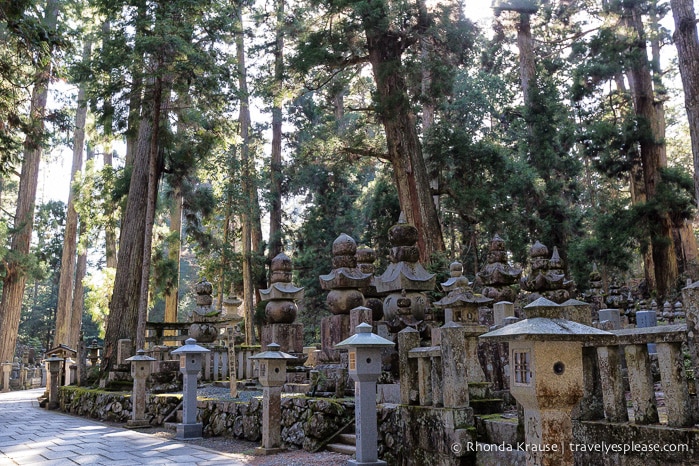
(341,448)
(487,406)
(348,439)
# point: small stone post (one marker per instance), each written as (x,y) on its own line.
(190,364)
(272,375)
(6,369)
(365,368)
(140,370)
(54,369)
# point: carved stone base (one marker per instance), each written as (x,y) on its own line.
(288,336)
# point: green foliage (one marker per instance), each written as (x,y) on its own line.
(99,284)
(43,267)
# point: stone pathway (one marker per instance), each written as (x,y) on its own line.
(30,435)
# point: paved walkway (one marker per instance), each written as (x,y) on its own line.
(30,435)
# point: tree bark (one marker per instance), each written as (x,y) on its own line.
(248,185)
(110,227)
(153,178)
(64,309)
(653,156)
(15,277)
(172,292)
(78,303)
(275,189)
(527,66)
(123,307)
(687,43)
(404,150)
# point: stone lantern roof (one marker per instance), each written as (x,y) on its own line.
(545,324)
(364,338)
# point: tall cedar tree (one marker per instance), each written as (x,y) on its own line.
(379,33)
(687,43)
(15,276)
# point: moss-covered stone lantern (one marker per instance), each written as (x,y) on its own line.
(546,377)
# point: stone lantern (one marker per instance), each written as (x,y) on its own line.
(140,370)
(93,355)
(191,356)
(546,377)
(272,375)
(54,368)
(365,368)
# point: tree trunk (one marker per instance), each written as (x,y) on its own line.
(687,43)
(15,277)
(153,178)
(527,66)
(110,227)
(653,156)
(403,144)
(172,292)
(275,188)
(247,184)
(64,319)
(80,272)
(123,307)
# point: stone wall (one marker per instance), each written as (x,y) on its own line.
(408,435)
(647,445)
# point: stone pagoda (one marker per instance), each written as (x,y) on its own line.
(281,308)
(372,298)
(547,278)
(405,280)
(344,283)
(461,307)
(204,319)
(498,277)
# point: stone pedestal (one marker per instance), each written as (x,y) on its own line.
(455,374)
(6,369)
(271,421)
(333,330)
(502,310)
(55,370)
(288,336)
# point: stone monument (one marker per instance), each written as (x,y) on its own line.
(498,277)
(281,308)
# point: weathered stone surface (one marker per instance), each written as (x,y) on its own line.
(619,435)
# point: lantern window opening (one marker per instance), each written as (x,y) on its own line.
(522,367)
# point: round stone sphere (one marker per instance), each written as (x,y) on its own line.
(405,254)
(203,332)
(344,245)
(343,300)
(402,234)
(281,312)
(392,305)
